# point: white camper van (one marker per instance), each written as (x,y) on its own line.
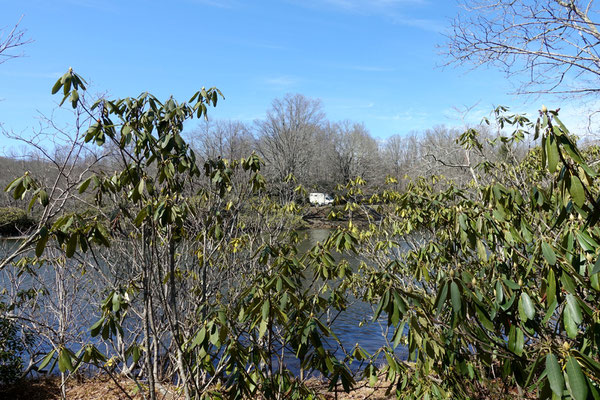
(320,199)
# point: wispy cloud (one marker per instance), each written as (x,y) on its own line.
(397,11)
(354,106)
(283,81)
(361,5)
(32,75)
(425,24)
(405,116)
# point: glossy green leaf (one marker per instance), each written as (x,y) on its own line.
(41,243)
(456,297)
(548,253)
(569,323)
(577,381)
(527,305)
(576,191)
(596,268)
(574,309)
(46,360)
(84,185)
(554,375)
(552,153)
(551,288)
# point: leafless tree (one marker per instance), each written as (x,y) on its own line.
(401,155)
(356,152)
(226,139)
(287,135)
(549,46)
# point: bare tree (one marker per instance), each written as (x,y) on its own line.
(401,154)
(550,46)
(287,135)
(11,40)
(226,139)
(356,152)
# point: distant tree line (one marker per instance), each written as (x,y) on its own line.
(298,146)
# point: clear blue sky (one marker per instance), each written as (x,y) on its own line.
(371,61)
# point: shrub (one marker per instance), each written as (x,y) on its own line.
(11,363)
(14,221)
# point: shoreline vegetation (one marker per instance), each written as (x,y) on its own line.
(170,270)
(314,217)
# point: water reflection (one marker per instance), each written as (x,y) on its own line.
(355,325)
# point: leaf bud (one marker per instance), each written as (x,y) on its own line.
(566,346)
(544,109)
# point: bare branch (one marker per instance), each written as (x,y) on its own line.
(549,46)
(10,40)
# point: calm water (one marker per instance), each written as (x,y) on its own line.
(354,325)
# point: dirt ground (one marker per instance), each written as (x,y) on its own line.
(104,388)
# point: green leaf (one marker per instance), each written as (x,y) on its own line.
(64,360)
(74,98)
(456,297)
(47,359)
(586,241)
(499,293)
(265,310)
(95,329)
(569,323)
(574,309)
(84,185)
(41,244)
(554,375)
(527,305)
(44,198)
(552,153)
(548,253)
(262,328)
(13,184)
(577,381)
(596,268)
(66,80)
(551,289)
(441,299)
(481,251)
(576,190)
(116,302)
(135,353)
(71,245)
(519,342)
(57,85)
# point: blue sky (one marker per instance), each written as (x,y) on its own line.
(371,61)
